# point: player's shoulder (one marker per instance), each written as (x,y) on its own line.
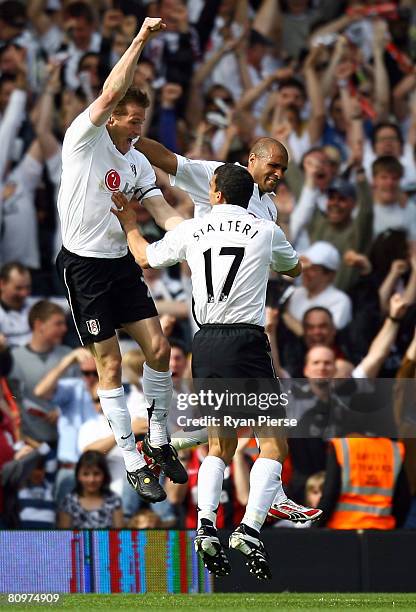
(265,224)
(81,119)
(269,228)
(188,163)
(189,225)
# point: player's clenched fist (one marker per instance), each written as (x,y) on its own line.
(150,26)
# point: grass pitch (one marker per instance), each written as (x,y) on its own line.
(242,602)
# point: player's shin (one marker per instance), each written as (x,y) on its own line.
(115,410)
(264,480)
(210,479)
(158,389)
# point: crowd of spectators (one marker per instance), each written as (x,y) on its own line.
(334,80)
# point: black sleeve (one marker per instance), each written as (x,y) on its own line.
(332,487)
(401,498)
(206,21)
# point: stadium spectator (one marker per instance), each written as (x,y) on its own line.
(91,505)
(15,303)
(392,208)
(320,264)
(337,225)
(95,434)
(35,501)
(75,396)
(318,329)
(146,519)
(313,489)
(19,501)
(30,364)
(365,484)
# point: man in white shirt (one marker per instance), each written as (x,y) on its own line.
(15,303)
(229,253)
(392,209)
(322,260)
(267,164)
(104,286)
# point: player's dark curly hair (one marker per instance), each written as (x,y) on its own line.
(235,183)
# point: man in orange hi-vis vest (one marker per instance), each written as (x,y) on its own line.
(366,487)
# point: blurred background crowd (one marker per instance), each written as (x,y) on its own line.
(335,82)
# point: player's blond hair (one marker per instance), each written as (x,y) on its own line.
(132,96)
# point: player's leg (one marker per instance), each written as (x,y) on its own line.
(282,507)
(158,390)
(265,478)
(183,439)
(274,447)
(87,281)
(210,481)
(111,393)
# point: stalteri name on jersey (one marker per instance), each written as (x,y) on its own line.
(229,225)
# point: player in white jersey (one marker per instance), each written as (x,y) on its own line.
(104,285)
(229,253)
(267,164)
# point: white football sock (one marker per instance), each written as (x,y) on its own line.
(264,478)
(158,390)
(115,410)
(189,439)
(210,479)
(280,492)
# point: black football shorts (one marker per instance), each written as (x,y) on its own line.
(103,294)
(235,360)
(231,351)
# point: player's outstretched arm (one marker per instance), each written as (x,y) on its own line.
(164,215)
(158,155)
(121,76)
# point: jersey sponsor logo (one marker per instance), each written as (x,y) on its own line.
(112,180)
(93,326)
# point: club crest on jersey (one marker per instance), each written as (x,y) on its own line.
(93,326)
(133,167)
(112,180)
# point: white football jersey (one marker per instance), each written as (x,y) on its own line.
(92,170)
(193,176)
(229,252)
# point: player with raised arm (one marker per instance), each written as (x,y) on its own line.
(267,164)
(104,285)
(229,253)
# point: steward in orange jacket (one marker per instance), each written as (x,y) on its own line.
(365,487)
